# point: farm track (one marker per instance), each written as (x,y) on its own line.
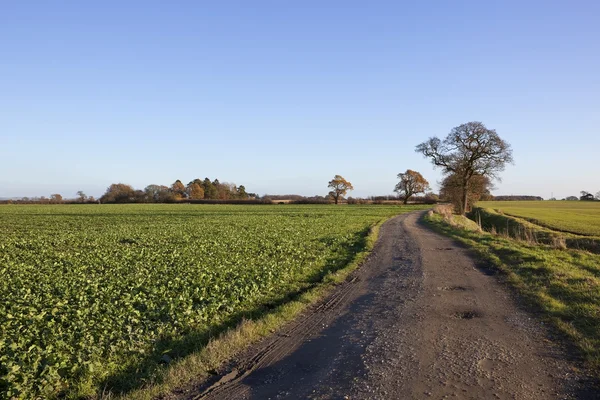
(419,319)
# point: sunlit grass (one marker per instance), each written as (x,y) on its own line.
(579,217)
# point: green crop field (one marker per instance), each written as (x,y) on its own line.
(579,217)
(94,292)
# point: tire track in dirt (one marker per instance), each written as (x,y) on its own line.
(417,320)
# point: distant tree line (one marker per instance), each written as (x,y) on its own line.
(53,199)
(205,191)
(518,198)
(587,196)
(195,190)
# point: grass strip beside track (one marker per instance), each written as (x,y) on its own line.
(563,285)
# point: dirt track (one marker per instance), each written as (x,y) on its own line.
(417,320)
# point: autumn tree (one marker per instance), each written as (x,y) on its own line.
(469,150)
(339,187)
(178,190)
(411,182)
(119,193)
(195,191)
(56,198)
(225,190)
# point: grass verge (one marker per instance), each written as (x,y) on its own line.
(525,229)
(198,366)
(562,284)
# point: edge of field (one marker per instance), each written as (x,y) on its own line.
(516,227)
(540,223)
(531,270)
(198,366)
(545,225)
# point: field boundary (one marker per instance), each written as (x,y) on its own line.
(202,364)
(496,221)
(543,225)
(580,218)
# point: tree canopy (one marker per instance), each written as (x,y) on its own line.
(480,188)
(119,193)
(411,182)
(339,187)
(468,150)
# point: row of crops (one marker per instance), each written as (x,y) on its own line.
(93,292)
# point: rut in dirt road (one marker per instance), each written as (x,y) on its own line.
(416,320)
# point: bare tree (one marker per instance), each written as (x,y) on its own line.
(82,196)
(158,194)
(411,182)
(469,149)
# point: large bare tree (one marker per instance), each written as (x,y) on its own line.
(339,187)
(411,182)
(469,150)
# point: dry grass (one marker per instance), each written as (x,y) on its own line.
(446,212)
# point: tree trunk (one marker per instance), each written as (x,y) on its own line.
(465,196)
(336,199)
(407,196)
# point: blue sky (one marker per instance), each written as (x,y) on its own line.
(282,95)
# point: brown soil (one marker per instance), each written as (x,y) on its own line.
(419,319)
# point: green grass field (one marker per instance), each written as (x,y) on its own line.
(578,217)
(97,296)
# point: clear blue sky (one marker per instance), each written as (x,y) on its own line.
(281,95)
